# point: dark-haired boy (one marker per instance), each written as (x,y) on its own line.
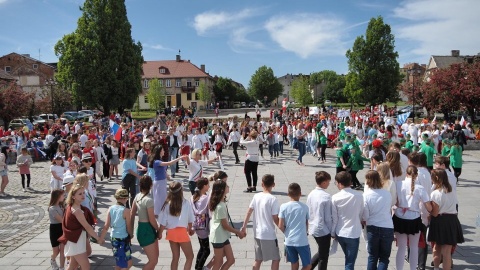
(293,222)
(319,203)
(265,209)
(347,211)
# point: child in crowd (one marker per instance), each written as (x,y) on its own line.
(118,218)
(57,169)
(24,160)
(199,202)
(265,209)
(55,213)
(319,203)
(456,158)
(177,217)
(220,228)
(347,210)
(293,220)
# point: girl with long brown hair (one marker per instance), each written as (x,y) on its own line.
(177,218)
(393,159)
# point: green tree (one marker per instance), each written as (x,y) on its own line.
(264,84)
(332,84)
(100,62)
(204,94)
(374,59)
(156,94)
(352,91)
(224,88)
(300,91)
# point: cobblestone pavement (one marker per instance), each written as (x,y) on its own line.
(23,215)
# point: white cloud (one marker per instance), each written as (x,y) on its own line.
(438,26)
(210,20)
(308,34)
(157,47)
(239,40)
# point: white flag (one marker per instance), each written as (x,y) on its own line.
(462,121)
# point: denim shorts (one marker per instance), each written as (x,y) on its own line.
(294,252)
(121,251)
(4,173)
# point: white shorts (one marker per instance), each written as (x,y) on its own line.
(72,249)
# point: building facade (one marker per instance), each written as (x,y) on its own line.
(181,80)
(31,74)
(412,73)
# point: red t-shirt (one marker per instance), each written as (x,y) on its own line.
(92,136)
(92,153)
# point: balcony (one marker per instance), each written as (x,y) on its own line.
(188,89)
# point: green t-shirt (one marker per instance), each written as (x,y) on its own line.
(456,157)
(323,139)
(339,155)
(429,152)
(409,145)
(217,233)
(445,150)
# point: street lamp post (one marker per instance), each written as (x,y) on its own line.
(51,83)
(414,72)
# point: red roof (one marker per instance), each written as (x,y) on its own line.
(174,69)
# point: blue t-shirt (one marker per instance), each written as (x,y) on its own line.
(160,171)
(129,164)
(295,215)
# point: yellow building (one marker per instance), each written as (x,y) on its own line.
(181,80)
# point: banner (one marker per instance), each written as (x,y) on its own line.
(313,110)
(343,113)
(402,118)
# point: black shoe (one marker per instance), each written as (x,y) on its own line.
(248,190)
(237,162)
(254,189)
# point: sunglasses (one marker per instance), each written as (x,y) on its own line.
(87,160)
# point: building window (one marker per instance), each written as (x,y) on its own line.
(162,70)
(35,66)
(145,99)
(8,69)
(168,83)
(160,82)
(197,96)
(197,82)
(189,96)
(178,83)
(189,83)
(145,83)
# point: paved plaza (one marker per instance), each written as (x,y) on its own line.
(24,240)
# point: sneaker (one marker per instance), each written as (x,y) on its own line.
(2,194)
(54,265)
(24,190)
(29,188)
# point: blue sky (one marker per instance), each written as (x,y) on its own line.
(235,38)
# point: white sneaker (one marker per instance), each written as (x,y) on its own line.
(24,190)
(2,194)
(54,265)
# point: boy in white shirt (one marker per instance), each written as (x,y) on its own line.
(347,212)
(319,203)
(265,209)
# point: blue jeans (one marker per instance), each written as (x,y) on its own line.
(301,150)
(173,151)
(292,140)
(350,249)
(379,247)
(270,150)
(275,149)
(280,146)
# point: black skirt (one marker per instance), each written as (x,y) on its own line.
(445,229)
(407,226)
(56,232)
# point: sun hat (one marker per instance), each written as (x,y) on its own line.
(68,180)
(86,156)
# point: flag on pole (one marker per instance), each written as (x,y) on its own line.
(115,130)
(402,118)
(462,121)
(434,121)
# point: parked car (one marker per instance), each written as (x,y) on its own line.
(88,113)
(327,102)
(237,105)
(243,104)
(74,114)
(67,117)
(252,104)
(97,112)
(48,117)
(37,120)
(19,123)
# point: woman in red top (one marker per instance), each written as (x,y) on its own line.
(77,222)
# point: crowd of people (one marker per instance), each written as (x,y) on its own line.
(408,188)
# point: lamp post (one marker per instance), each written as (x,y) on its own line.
(51,83)
(414,72)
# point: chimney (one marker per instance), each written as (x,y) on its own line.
(202,67)
(26,54)
(178,59)
(456,53)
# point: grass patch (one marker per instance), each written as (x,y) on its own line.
(143,115)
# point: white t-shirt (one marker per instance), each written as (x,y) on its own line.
(83,139)
(59,171)
(409,204)
(447,202)
(377,211)
(195,169)
(171,222)
(264,206)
